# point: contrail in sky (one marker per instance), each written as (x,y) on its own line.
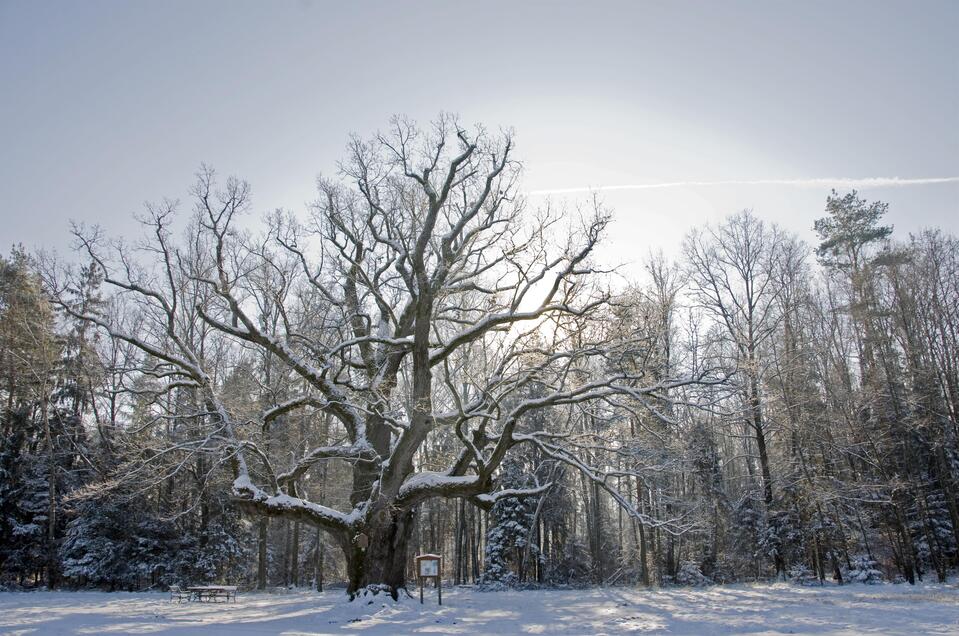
(869,182)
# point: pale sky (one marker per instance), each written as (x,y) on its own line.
(105,105)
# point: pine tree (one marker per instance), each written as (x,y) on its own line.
(506,540)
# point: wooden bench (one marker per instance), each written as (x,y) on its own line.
(213,593)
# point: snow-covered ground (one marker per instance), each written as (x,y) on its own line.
(740,609)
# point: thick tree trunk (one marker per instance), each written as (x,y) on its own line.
(381,566)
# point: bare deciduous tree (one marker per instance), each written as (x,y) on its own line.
(420,298)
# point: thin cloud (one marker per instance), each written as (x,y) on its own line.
(869,182)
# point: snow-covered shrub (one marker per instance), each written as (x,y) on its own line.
(864,570)
(115,544)
(571,565)
(750,523)
(690,574)
(801,574)
(118,543)
(506,581)
(931,530)
(724,572)
(24,505)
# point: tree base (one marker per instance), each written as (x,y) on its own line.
(377,591)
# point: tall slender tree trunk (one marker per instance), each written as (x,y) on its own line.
(285,565)
(261,554)
(295,555)
(52,561)
(318,555)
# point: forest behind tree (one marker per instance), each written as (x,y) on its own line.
(429,361)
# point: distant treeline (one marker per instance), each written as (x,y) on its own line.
(827,449)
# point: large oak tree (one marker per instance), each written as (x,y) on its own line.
(420,297)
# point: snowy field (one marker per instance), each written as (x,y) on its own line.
(743,609)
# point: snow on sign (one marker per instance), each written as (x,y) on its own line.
(428,567)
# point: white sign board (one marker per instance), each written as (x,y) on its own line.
(429,567)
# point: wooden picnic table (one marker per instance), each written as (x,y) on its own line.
(213,592)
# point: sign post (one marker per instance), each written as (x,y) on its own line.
(429,566)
